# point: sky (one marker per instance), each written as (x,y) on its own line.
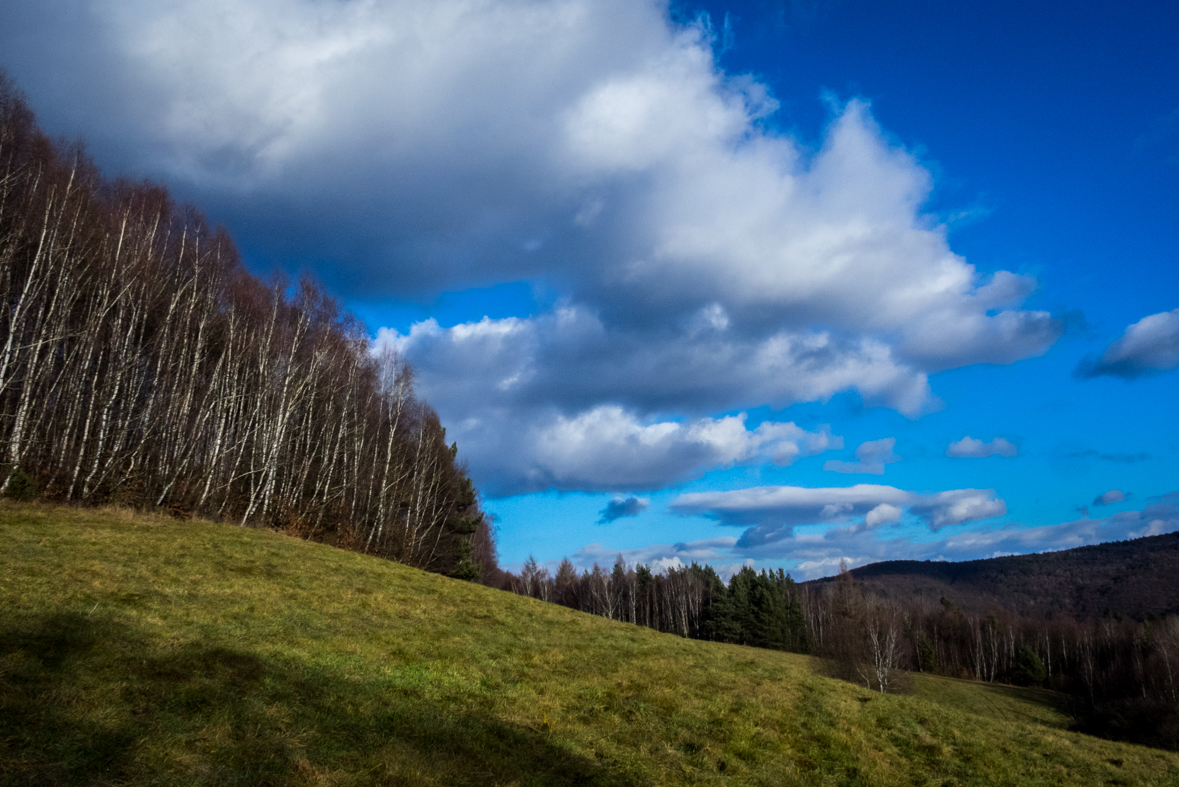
(752,283)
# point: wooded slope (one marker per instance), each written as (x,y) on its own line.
(1133,578)
(141,364)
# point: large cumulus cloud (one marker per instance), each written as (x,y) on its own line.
(705,263)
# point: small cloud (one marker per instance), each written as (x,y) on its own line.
(970,448)
(1112,496)
(871,458)
(1147,347)
(883,514)
(619,507)
(957,507)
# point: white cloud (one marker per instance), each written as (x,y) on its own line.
(871,457)
(969,447)
(792,505)
(883,514)
(824,566)
(609,447)
(503,375)
(1149,346)
(706,263)
(957,507)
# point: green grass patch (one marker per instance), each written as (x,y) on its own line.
(140,650)
(1005,703)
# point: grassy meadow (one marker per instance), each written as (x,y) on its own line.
(141,650)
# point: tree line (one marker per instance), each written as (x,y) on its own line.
(762,610)
(142,365)
(1121,676)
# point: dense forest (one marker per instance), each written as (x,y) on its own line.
(142,365)
(1121,674)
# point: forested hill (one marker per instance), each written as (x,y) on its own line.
(1133,578)
(142,365)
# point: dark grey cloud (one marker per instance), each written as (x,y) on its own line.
(619,508)
(1149,346)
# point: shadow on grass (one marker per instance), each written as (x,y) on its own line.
(997,700)
(1052,700)
(93,701)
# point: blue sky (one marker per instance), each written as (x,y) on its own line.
(726,282)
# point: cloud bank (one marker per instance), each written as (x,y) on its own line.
(770,513)
(815,555)
(702,260)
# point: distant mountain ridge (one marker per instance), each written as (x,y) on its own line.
(1134,578)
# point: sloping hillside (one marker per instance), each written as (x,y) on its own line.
(1132,578)
(147,651)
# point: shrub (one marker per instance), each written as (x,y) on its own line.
(22,486)
(1029,670)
